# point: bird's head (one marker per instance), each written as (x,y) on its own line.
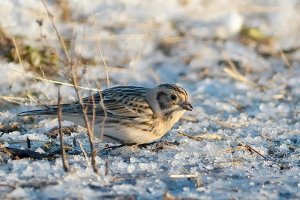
(172,98)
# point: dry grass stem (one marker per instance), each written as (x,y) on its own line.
(285,59)
(94,114)
(105,112)
(228,125)
(245,146)
(21,63)
(251,150)
(104,63)
(230,163)
(202,137)
(60,39)
(55,82)
(86,121)
(61,134)
(189,136)
(236,104)
(248,147)
(235,74)
(184,176)
(207,136)
(17,52)
(191,176)
(100,52)
(15,100)
(137,58)
(84,152)
(74,80)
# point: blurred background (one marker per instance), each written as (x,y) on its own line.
(190,42)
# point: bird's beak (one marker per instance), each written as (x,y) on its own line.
(187,106)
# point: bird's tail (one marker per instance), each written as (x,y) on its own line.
(49,111)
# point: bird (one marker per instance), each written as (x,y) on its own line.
(131,114)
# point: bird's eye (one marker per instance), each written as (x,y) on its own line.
(173,97)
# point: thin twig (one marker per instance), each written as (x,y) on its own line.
(251,149)
(100,51)
(183,175)
(86,119)
(61,134)
(20,60)
(28,142)
(17,52)
(84,152)
(248,147)
(285,59)
(56,82)
(94,114)
(60,39)
(105,112)
(190,136)
(74,80)
(190,176)
(137,58)
(104,63)
(106,167)
(16,100)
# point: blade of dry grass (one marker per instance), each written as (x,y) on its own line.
(74,80)
(55,82)
(61,134)
(190,136)
(137,58)
(84,152)
(21,63)
(100,51)
(60,39)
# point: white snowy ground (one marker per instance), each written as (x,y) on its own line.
(150,42)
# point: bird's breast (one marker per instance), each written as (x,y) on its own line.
(164,124)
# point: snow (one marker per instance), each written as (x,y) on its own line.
(147,43)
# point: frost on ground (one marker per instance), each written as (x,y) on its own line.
(239,61)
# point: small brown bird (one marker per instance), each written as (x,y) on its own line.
(133,115)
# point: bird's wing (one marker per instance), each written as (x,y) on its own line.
(129,102)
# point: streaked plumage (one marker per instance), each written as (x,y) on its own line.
(132,114)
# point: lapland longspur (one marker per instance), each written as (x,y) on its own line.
(132,114)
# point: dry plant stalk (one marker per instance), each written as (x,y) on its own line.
(190,136)
(105,112)
(137,58)
(54,81)
(86,119)
(84,153)
(190,176)
(100,51)
(76,88)
(285,59)
(61,134)
(246,146)
(21,63)
(234,73)
(15,100)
